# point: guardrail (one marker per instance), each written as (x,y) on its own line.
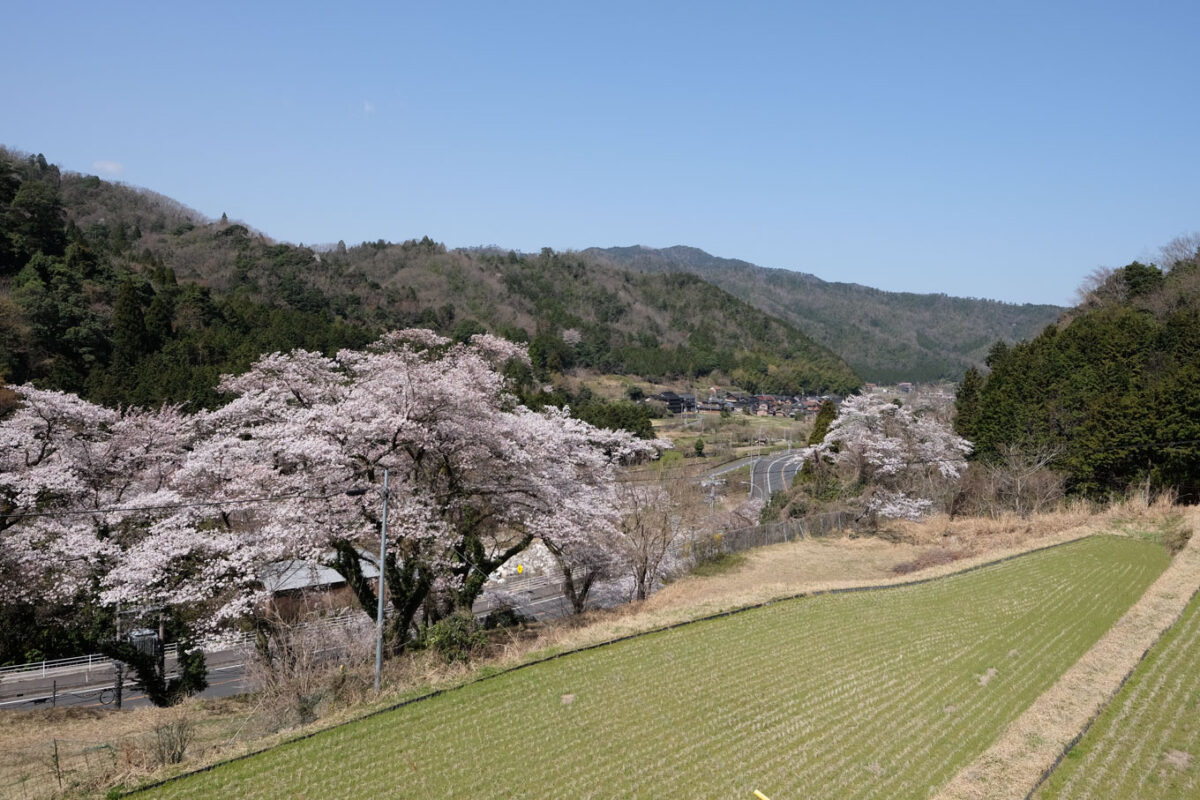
(99,662)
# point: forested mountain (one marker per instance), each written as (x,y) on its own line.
(1111,396)
(126,296)
(884,336)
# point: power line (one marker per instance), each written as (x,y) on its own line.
(169,507)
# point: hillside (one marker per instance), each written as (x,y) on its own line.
(129,297)
(884,336)
(1110,396)
(886,695)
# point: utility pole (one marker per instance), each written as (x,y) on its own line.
(162,646)
(382,582)
(118,664)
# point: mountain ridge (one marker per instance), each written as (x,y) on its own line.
(127,296)
(884,336)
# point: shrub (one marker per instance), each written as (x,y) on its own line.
(1175,534)
(171,739)
(504,617)
(455,638)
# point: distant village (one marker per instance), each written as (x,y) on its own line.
(760,405)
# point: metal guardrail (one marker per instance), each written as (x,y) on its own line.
(97,661)
(45,668)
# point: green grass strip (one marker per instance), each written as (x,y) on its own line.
(882,694)
(1146,743)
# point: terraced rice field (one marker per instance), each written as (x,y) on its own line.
(1146,744)
(879,694)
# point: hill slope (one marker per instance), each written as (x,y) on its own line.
(1111,396)
(127,296)
(884,336)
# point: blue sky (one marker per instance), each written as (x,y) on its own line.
(986,149)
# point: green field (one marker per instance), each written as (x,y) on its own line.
(1147,742)
(879,694)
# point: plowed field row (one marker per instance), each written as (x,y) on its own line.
(879,694)
(1147,742)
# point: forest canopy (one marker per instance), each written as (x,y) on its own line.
(1112,393)
(127,297)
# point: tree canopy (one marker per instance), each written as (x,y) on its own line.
(188,510)
(1114,389)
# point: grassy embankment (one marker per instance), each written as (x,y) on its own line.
(1147,741)
(871,694)
(97,746)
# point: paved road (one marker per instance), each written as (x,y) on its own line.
(93,686)
(774,473)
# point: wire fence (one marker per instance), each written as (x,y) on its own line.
(700,548)
(124,748)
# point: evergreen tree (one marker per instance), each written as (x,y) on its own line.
(129,327)
(966,403)
(825,416)
(35,220)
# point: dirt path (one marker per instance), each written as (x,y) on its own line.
(1015,763)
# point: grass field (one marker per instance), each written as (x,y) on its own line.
(1147,742)
(873,694)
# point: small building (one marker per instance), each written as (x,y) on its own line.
(677,403)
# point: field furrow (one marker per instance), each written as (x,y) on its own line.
(879,694)
(1147,742)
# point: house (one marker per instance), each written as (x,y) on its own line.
(298,586)
(676,403)
(293,575)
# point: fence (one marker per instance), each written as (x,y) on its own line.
(122,748)
(101,666)
(735,541)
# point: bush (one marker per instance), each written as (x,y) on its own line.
(171,739)
(1175,535)
(719,563)
(504,617)
(455,638)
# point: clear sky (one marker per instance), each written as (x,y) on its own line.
(992,149)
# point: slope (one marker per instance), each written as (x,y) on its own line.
(127,296)
(885,336)
(869,694)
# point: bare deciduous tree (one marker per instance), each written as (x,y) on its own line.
(655,516)
(1020,479)
(1023,480)
(1180,249)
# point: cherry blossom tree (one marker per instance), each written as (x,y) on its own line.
(473,479)
(905,462)
(78,484)
(167,509)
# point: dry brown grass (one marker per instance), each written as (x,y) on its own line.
(1012,766)
(97,747)
(228,727)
